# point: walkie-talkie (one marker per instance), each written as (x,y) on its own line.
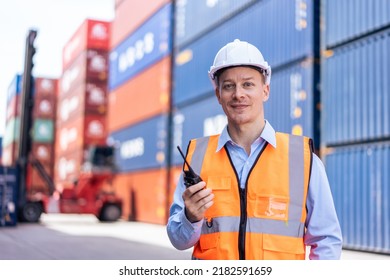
(190,177)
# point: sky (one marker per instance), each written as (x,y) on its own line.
(55,21)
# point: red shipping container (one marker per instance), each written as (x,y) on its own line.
(45,87)
(92,34)
(67,166)
(44,107)
(85,130)
(90,66)
(150,88)
(43,152)
(144,195)
(129,15)
(89,98)
(35,183)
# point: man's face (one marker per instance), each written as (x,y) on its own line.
(241,92)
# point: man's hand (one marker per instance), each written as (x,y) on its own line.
(197,199)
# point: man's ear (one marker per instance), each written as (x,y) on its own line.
(218,95)
(266,93)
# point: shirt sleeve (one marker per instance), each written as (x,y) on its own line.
(181,232)
(323,232)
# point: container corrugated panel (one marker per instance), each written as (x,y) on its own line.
(44,152)
(141,49)
(44,107)
(34,181)
(13,107)
(202,118)
(356,102)
(92,34)
(129,15)
(90,66)
(140,98)
(291,105)
(43,130)
(144,194)
(15,87)
(348,20)
(67,167)
(281,41)
(359,179)
(142,145)
(193,17)
(10,154)
(8,196)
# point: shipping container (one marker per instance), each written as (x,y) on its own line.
(142,48)
(86,98)
(356,102)
(140,98)
(1,149)
(45,87)
(85,130)
(11,133)
(44,107)
(8,196)
(195,17)
(92,34)
(282,41)
(13,108)
(292,105)
(129,15)
(144,195)
(347,20)
(34,181)
(67,167)
(44,152)
(202,118)
(142,145)
(90,66)
(43,130)
(359,180)
(10,153)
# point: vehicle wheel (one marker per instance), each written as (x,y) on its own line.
(31,212)
(110,213)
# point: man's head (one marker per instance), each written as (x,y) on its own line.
(239,53)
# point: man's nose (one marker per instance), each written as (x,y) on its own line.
(238,92)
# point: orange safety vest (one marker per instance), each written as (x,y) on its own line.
(265,220)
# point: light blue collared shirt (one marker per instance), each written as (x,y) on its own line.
(323,233)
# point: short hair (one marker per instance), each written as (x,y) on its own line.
(220,71)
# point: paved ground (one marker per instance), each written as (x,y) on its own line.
(66,236)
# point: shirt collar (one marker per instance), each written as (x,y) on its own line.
(268,135)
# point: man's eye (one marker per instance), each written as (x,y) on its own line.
(228,86)
(248,84)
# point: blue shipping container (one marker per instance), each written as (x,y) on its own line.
(359,179)
(141,146)
(8,196)
(199,119)
(290,107)
(356,89)
(144,47)
(282,39)
(193,17)
(347,20)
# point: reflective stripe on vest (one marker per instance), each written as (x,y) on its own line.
(282,215)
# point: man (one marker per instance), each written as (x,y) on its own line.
(264,195)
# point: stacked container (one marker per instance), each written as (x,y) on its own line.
(12,126)
(356,119)
(138,110)
(43,120)
(82,99)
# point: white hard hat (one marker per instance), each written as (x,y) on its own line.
(238,53)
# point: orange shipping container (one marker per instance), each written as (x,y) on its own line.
(129,15)
(85,130)
(144,195)
(144,96)
(92,34)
